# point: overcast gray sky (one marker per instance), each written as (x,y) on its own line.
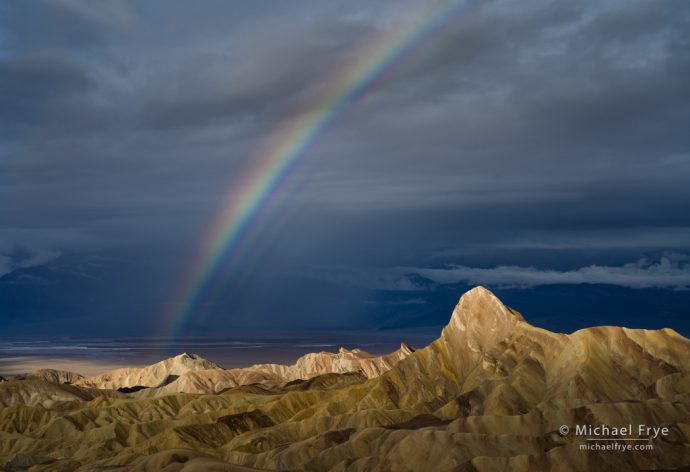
(525,137)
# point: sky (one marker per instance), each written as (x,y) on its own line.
(537,148)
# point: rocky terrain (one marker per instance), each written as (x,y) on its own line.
(190,373)
(51,375)
(491,394)
(156,375)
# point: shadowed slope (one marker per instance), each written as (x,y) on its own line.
(51,375)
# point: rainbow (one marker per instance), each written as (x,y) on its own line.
(290,144)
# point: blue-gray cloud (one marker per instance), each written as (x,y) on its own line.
(524,134)
(23,259)
(669,271)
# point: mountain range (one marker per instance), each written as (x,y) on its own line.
(492,393)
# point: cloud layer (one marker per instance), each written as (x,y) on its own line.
(519,115)
(670,271)
(526,142)
(25,259)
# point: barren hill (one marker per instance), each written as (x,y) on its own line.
(151,376)
(51,375)
(190,373)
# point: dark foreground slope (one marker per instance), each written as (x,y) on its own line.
(489,395)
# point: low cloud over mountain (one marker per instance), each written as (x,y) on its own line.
(669,271)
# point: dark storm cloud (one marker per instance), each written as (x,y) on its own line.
(521,134)
(538,111)
(34,87)
(44,25)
